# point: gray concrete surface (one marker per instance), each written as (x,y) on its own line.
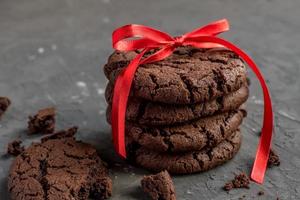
(52,52)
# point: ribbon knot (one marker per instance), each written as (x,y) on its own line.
(147,38)
(178,41)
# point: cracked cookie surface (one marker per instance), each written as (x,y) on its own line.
(188,76)
(151,113)
(186,163)
(206,132)
(59,169)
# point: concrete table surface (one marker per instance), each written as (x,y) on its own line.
(52,53)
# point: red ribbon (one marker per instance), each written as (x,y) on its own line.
(147,38)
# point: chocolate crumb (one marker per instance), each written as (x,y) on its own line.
(239,181)
(4,104)
(228,186)
(242,197)
(260,193)
(70,132)
(273,159)
(42,122)
(14,148)
(248,81)
(159,186)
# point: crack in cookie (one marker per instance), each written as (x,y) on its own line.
(60,168)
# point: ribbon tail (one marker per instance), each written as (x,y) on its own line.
(263,150)
(121,93)
(119,104)
(262,154)
(115,118)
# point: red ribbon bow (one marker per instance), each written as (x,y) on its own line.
(204,37)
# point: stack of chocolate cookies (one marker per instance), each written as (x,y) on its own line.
(184,112)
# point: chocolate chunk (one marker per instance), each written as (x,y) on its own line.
(4,104)
(59,169)
(240,181)
(273,159)
(43,122)
(61,134)
(159,186)
(14,148)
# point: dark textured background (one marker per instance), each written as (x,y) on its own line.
(52,53)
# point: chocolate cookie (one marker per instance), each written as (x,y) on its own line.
(205,132)
(59,169)
(159,186)
(188,76)
(186,163)
(4,104)
(150,113)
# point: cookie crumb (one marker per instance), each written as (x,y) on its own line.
(42,122)
(240,181)
(260,193)
(242,197)
(4,104)
(228,186)
(159,186)
(14,148)
(248,81)
(70,132)
(273,159)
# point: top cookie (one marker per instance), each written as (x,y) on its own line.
(188,76)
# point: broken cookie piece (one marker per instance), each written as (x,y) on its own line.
(14,148)
(4,104)
(159,186)
(273,159)
(59,169)
(70,132)
(42,122)
(240,181)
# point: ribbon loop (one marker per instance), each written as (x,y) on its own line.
(213,28)
(204,37)
(151,35)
